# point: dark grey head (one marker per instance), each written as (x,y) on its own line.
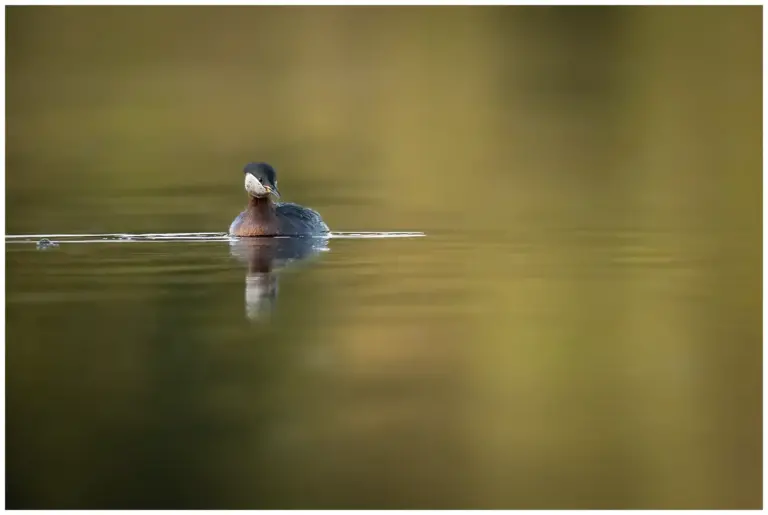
(260,180)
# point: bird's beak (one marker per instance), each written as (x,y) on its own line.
(273,191)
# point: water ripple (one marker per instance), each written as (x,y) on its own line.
(181,237)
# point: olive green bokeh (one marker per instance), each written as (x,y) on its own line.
(580,329)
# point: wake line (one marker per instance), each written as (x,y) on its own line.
(182,237)
(113,235)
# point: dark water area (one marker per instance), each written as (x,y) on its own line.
(580,326)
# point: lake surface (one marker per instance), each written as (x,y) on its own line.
(579,326)
(373,374)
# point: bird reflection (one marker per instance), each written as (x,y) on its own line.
(266,258)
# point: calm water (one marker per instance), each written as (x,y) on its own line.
(579,328)
(375,374)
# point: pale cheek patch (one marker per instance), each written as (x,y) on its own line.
(254,187)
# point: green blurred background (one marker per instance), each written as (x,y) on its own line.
(580,329)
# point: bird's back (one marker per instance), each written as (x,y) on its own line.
(295,219)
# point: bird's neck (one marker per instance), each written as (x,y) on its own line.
(260,205)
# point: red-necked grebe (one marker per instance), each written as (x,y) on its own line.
(263,217)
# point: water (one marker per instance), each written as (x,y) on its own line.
(241,374)
(542,290)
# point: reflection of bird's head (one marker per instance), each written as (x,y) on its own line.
(265,258)
(260,295)
(260,180)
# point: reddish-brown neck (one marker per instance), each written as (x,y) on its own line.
(258,219)
(260,206)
